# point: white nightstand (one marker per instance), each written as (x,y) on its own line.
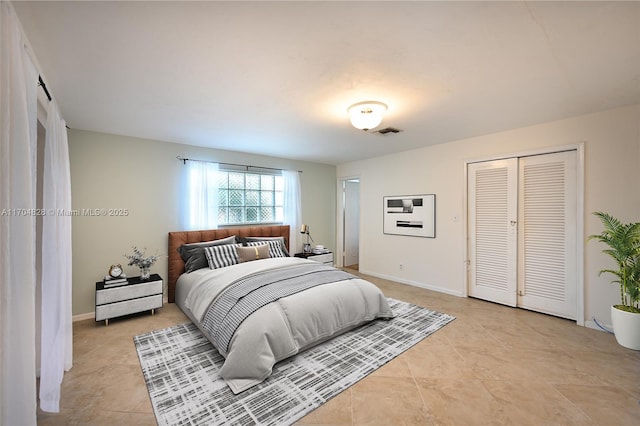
(326,258)
(134,296)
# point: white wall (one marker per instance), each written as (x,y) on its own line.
(612,178)
(144,176)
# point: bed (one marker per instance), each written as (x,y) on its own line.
(258,305)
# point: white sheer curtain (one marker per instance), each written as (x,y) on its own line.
(18,121)
(57,330)
(202,195)
(292,208)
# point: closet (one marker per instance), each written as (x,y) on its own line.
(522,232)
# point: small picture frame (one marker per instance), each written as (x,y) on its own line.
(410,215)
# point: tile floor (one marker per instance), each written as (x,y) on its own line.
(493,365)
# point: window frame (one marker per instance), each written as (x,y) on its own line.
(225,202)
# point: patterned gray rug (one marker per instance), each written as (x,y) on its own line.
(181,367)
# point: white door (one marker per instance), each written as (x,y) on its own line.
(351,222)
(547,280)
(492,192)
(522,232)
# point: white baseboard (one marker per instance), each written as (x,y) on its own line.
(415,284)
(82,317)
(592,324)
(589,324)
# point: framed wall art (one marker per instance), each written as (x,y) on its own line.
(411,215)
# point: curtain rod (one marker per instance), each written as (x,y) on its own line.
(46,92)
(44,87)
(184,161)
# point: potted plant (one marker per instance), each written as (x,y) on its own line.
(142,261)
(623,241)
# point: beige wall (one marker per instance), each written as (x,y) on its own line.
(144,176)
(612,175)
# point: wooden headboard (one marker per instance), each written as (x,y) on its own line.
(176,239)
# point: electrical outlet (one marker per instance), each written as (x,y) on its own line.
(401,266)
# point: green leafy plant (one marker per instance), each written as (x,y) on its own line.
(623,240)
(140,259)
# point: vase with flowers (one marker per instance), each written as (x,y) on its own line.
(142,261)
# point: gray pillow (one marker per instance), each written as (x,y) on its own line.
(283,247)
(194,256)
(257,252)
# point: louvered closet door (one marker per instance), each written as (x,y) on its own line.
(547,279)
(492,203)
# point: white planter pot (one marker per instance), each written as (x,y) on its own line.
(626,326)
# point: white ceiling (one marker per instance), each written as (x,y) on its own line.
(276,78)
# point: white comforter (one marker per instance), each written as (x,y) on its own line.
(285,327)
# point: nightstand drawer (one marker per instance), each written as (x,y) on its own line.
(117,294)
(132,306)
(322,258)
(326,258)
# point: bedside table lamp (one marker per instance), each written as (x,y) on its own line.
(304,229)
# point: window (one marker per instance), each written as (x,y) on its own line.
(219,194)
(249,197)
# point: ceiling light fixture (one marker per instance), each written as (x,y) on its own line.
(367,115)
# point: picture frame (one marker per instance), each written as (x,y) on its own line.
(410,215)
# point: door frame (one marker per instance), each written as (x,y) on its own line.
(580,237)
(338,259)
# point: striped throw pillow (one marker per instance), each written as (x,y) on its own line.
(275,248)
(222,256)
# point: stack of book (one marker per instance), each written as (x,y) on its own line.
(114,282)
(319,249)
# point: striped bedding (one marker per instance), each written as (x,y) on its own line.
(282,324)
(245,296)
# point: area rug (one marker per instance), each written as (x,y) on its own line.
(181,370)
